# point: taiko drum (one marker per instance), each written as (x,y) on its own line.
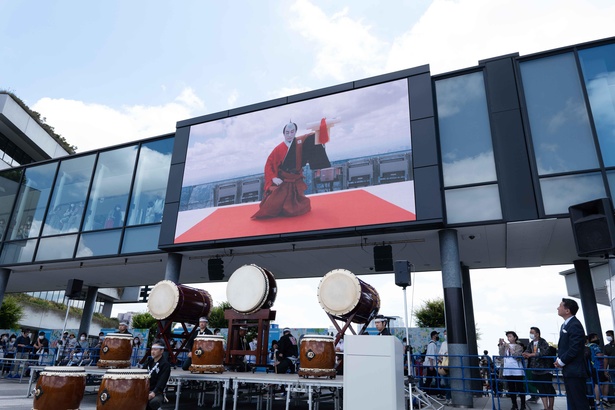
(178,303)
(59,388)
(123,389)
(317,356)
(251,288)
(115,351)
(208,354)
(345,297)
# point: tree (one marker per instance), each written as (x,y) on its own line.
(216,316)
(146,321)
(431,314)
(10,313)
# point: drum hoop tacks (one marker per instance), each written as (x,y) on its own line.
(155,311)
(337,309)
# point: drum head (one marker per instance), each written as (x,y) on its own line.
(339,292)
(247,288)
(163,299)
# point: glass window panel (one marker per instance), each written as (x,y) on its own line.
(465,134)
(559,122)
(107,204)
(481,203)
(58,247)
(558,193)
(598,66)
(32,201)
(143,239)
(99,243)
(18,252)
(611,178)
(151,182)
(9,186)
(69,195)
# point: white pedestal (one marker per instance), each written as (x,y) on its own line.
(373,373)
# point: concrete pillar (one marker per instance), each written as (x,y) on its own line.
(174,267)
(588,297)
(466,285)
(107,308)
(88,310)
(455,319)
(4,281)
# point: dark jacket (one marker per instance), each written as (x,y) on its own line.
(571,349)
(159,373)
(287,346)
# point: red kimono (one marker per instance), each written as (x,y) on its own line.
(288,198)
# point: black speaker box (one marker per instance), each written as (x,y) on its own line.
(215,269)
(402,273)
(73,288)
(383,258)
(593,227)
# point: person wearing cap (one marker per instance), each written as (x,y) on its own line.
(512,368)
(159,372)
(287,352)
(123,328)
(431,358)
(201,330)
(381,325)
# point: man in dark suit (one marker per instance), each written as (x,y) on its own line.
(571,355)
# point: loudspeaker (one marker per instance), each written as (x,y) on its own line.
(593,227)
(73,288)
(402,273)
(383,258)
(215,269)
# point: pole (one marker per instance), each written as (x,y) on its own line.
(408,356)
(66,317)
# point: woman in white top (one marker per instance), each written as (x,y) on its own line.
(512,369)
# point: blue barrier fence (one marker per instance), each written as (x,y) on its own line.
(481,377)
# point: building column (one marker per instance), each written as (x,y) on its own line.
(107,308)
(455,319)
(173,268)
(4,281)
(588,297)
(466,286)
(88,310)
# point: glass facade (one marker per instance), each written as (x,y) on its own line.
(79,206)
(571,115)
(467,150)
(598,67)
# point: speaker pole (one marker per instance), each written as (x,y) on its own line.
(408,356)
(66,317)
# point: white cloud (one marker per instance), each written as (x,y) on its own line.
(92,126)
(454,34)
(346,47)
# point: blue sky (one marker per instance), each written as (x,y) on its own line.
(104,73)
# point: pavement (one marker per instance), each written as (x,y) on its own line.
(14,396)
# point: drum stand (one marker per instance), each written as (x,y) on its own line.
(164,332)
(262,318)
(342,330)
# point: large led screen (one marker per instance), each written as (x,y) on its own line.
(338,161)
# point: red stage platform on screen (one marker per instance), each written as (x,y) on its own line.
(329,211)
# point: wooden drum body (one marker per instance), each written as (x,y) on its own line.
(115,351)
(251,288)
(317,356)
(208,354)
(341,294)
(178,303)
(59,388)
(123,389)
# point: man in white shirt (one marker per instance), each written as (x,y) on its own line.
(431,358)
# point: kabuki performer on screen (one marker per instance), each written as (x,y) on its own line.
(284,187)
